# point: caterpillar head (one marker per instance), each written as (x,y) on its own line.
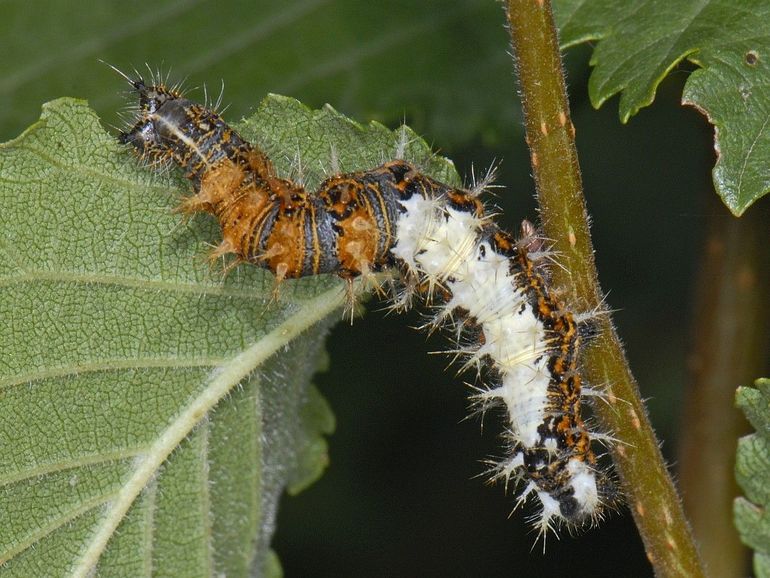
(161,110)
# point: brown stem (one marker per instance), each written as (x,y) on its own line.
(730,343)
(550,134)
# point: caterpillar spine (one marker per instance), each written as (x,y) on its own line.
(483,285)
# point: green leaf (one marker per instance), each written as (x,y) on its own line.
(730,42)
(752,470)
(340,51)
(152,413)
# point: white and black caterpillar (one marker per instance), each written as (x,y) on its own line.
(483,285)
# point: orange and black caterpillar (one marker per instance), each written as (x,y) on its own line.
(489,289)
(346,227)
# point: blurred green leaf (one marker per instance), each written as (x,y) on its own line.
(152,413)
(640,43)
(752,470)
(378,60)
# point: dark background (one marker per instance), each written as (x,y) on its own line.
(401,497)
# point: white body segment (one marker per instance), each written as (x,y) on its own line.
(440,244)
(442,247)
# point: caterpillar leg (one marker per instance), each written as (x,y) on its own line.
(350,300)
(218,253)
(281,271)
(193,204)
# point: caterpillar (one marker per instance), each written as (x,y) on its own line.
(489,289)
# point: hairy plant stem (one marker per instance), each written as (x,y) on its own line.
(647,486)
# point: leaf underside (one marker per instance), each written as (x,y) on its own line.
(151,411)
(639,43)
(752,470)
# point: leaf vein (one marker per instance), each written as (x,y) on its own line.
(41,470)
(125,281)
(108,365)
(43,531)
